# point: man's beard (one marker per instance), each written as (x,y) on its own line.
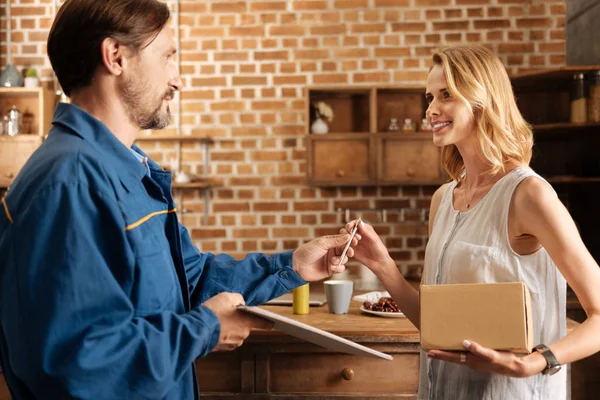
(141,112)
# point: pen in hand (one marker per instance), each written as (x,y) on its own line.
(354,230)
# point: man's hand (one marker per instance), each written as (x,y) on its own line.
(235,325)
(320,258)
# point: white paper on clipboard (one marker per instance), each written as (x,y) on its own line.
(314,335)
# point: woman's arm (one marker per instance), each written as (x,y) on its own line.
(539,212)
(371,252)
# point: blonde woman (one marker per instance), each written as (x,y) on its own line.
(497,221)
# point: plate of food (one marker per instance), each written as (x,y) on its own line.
(384,307)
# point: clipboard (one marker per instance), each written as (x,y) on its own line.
(314,335)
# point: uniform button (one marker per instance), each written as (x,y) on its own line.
(283,274)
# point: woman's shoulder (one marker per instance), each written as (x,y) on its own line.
(436,200)
(439,192)
(437,196)
(533,188)
(534,197)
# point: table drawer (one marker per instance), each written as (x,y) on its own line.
(220,372)
(342,373)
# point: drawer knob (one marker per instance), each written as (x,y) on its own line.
(10,175)
(410,172)
(341,173)
(347,374)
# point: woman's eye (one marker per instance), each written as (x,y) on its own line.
(446,95)
(429,99)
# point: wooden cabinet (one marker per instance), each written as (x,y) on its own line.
(316,373)
(226,372)
(411,159)
(37,108)
(271,365)
(342,159)
(359,150)
(305,371)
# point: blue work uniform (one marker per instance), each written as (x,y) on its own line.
(101,287)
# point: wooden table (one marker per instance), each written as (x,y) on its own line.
(274,365)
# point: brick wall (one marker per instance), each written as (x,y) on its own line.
(245,64)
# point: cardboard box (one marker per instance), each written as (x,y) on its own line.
(495,315)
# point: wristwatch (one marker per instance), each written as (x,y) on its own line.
(552,364)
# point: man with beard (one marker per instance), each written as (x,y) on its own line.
(103,295)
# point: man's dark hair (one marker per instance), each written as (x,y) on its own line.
(81,26)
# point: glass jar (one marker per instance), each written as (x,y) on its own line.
(425,125)
(579,107)
(594,100)
(393,126)
(409,125)
(14,121)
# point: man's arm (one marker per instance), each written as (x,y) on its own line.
(258,277)
(73,332)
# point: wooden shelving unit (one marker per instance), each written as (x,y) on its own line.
(544,97)
(37,108)
(561,148)
(359,151)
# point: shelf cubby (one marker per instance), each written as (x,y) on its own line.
(400,103)
(351,108)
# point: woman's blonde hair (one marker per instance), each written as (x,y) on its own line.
(476,77)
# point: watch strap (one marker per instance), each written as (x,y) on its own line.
(551,360)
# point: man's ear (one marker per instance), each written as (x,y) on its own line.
(113,54)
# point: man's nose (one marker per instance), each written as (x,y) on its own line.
(176,83)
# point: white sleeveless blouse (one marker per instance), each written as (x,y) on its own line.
(473,247)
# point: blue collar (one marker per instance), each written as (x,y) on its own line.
(80,123)
(141,158)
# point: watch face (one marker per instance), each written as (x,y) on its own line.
(552,370)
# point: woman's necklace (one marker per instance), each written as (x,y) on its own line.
(472,197)
(474,194)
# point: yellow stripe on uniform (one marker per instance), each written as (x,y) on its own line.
(6,210)
(146,218)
